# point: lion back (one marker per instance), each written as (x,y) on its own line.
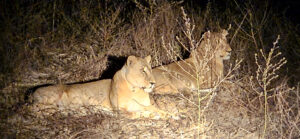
(48,95)
(72,97)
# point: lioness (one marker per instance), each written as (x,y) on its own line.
(127,91)
(187,75)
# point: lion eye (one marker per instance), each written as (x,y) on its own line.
(144,69)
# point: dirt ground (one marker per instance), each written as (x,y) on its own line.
(221,114)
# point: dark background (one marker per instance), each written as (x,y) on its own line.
(291,8)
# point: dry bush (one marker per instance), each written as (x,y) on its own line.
(266,73)
(157,20)
(260,96)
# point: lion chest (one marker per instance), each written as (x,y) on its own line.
(133,100)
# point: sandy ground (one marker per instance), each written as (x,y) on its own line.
(222,116)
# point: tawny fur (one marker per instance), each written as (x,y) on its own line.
(200,71)
(127,92)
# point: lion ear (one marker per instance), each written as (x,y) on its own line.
(224,33)
(130,60)
(206,35)
(148,58)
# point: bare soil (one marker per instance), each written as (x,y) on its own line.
(221,116)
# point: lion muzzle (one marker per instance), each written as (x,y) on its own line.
(150,88)
(227,57)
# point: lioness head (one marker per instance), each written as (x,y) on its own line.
(218,43)
(139,73)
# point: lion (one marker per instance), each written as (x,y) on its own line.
(127,92)
(188,75)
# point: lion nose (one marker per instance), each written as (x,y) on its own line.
(229,52)
(152,84)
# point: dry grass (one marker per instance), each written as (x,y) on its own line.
(54,42)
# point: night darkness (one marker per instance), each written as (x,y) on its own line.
(290,8)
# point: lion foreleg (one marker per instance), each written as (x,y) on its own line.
(166,89)
(153,112)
